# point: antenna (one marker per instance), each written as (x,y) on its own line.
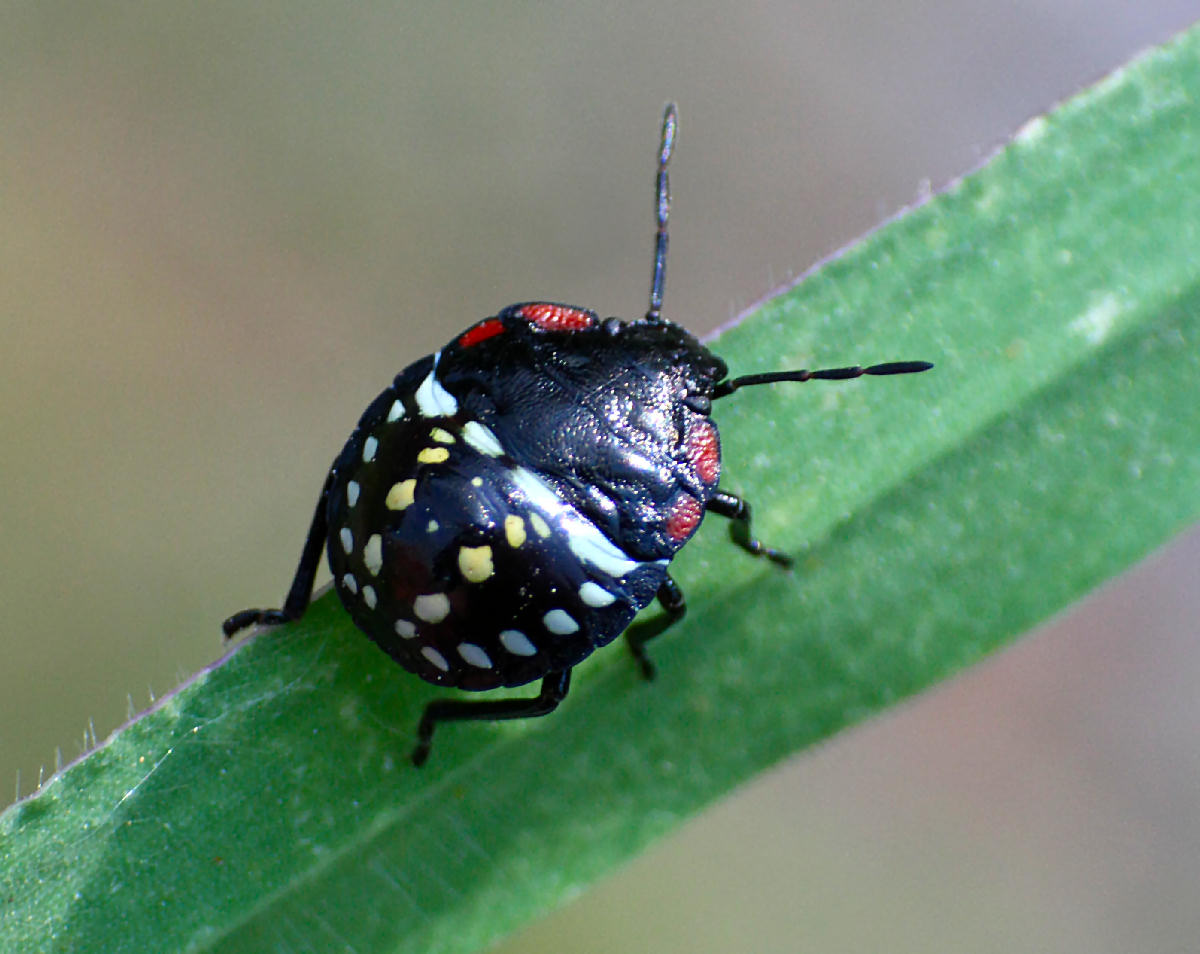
(725,388)
(670,125)
(662,203)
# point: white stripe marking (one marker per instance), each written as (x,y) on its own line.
(433,400)
(594,548)
(482,439)
(583,537)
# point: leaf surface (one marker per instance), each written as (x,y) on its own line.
(269,803)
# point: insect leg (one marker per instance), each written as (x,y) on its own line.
(738,511)
(671,598)
(296,601)
(554,690)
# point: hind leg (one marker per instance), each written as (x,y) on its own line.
(297,599)
(554,690)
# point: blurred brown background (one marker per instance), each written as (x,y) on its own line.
(224,227)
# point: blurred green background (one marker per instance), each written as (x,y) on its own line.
(224,227)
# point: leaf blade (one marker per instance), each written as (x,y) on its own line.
(269,802)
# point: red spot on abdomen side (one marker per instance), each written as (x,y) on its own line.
(684,518)
(703,450)
(552,317)
(481,332)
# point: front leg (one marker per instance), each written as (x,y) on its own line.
(738,511)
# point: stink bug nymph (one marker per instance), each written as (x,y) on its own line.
(511,502)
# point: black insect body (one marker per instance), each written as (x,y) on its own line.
(511,502)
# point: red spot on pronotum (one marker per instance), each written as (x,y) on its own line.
(481,332)
(552,317)
(684,517)
(704,451)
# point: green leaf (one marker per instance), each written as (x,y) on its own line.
(269,802)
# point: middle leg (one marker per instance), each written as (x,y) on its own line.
(670,597)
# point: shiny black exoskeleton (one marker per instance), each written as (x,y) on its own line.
(511,502)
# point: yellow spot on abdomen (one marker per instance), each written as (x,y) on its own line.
(539,525)
(401,494)
(433,455)
(475,563)
(514,530)
(441,436)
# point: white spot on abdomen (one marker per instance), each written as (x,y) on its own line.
(405,628)
(594,595)
(435,658)
(559,622)
(474,656)
(432,607)
(373,554)
(517,643)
